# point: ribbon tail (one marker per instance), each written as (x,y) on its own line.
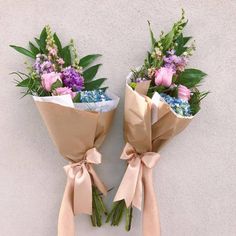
(129,182)
(83,192)
(66,225)
(151,222)
(137,200)
(97,181)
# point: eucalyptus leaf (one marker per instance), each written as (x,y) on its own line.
(23,51)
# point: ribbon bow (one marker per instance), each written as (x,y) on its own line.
(80,176)
(131,186)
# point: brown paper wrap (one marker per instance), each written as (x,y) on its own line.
(77,135)
(143,140)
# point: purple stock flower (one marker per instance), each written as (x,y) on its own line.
(42,65)
(176,63)
(72,79)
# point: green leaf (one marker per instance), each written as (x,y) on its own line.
(153,40)
(103,89)
(168,40)
(24,83)
(23,51)
(56,84)
(87,60)
(90,73)
(181,42)
(190,77)
(77,98)
(94,84)
(66,55)
(186,39)
(34,49)
(42,39)
(38,42)
(58,43)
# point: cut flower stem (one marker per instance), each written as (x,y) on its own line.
(99,208)
(118,210)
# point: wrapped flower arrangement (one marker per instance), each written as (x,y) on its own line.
(78,113)
(161,99)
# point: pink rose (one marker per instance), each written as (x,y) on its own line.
(184,93)
(163,76)
(64,91)
(49,79)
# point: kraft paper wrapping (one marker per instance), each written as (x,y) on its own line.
(144,140)
(77,134)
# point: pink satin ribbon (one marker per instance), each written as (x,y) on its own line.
(78,192)
(137,176)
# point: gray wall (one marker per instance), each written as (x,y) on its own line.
(195,178)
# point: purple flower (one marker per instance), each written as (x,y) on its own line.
(42,65)
(72,79)
(176,63)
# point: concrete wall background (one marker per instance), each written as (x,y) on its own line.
(196,176)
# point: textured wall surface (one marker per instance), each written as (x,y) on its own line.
(196,177)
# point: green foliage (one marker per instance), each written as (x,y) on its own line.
(190,77)
(32,81)
(180,47)
(92,85)
(77,98)
(195,100)
(38,43)
(167,40)
(23,51)
(56,85)
(87,60)
(66,55)
(99,208)
(153,89)
(90,73)
(153,40)
(42,40)
(58,43)
(117,213)
(176,41)
(34,49)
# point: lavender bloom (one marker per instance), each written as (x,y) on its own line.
(72,79)
(176,63)
(42,65)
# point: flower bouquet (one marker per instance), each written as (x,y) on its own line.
(161,99)
(77,112)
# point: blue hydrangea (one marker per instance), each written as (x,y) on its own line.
(180,106)
(93,96)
